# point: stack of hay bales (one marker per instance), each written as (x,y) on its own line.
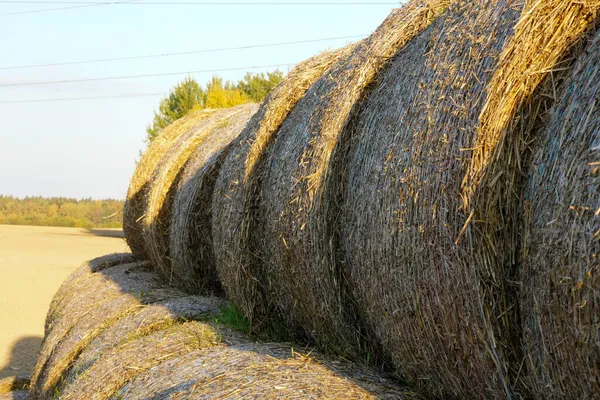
(431,222)
(137,196)
(162,174)
(208,140)
(161,348)
(561,267)
(375,202)
(236,190)
(191,249)
(291,222)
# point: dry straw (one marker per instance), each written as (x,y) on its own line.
(136,202)
(261,371)
(235,191)
(296,210)
(163,186)
(103,310)
(432,254)
(135,355)
(70,285)
(151,349)
(191,250)
(561,272)
(143,321)
(419,290)
(98,301)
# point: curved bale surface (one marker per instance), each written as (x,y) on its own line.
(114,368)
(260,371)
(144,321)
(106,308)
(137,195)
(432,252)
(297,212)
(235,191)
(70,285)
(163,186)
(98,302)
(419,289)
(561,272)
(191,250)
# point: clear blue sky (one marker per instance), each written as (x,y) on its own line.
(89,148)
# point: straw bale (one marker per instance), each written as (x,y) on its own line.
(98,302)
(235,191)
(137,195)
(163,186)
(561,268)
(297,211)
(143,321)
(261,371)
(418,288)
(191,251)
(135,355)
(430,230)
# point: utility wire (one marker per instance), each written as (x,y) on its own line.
(57,100)
(107,78)
(84,5)
(213,3)
(101,60)
(189,3)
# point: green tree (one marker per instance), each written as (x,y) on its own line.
(183,98)
(221,94)
(189,95)
(258,86)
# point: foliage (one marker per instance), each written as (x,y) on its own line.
(184,97)
(39,211)
(189,95)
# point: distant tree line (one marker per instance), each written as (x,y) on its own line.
(189,95)
(59,211)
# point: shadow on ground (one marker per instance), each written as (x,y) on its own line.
(22,358)
(114,233)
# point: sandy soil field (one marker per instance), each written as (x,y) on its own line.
(33,263)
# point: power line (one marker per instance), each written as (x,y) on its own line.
(86,5)
(101,60)
(107,78)
(188,3)
(213,3)
(57,100)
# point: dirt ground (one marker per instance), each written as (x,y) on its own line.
(34,261)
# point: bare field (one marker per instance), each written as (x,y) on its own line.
(34,261)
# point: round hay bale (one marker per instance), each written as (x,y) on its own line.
(297,213)
(191,250)
(135,355)
(430,238)
(261,371)
(560,302)
(98,302)
(163,186)
(69,285)
(235,191)
(14,383)
(137,195)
